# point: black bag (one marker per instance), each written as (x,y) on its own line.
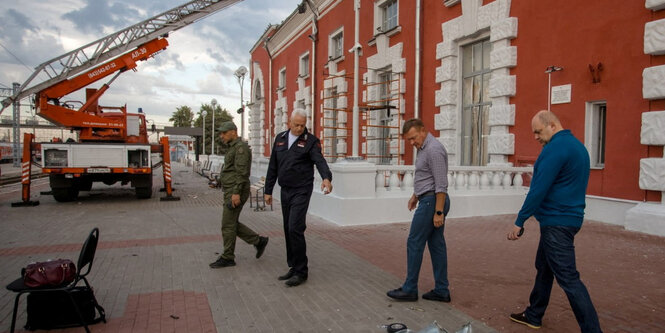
(48,310)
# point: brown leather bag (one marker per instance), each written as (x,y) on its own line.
(50,273)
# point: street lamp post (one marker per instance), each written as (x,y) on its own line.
(240,74)
(214,105)
(203,127)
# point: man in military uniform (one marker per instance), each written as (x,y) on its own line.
(292,161)
(235,183)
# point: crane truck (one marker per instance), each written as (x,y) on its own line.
(113,143)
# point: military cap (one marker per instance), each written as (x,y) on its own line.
(227,126)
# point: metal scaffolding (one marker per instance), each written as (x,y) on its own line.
(380,119)
(381,116)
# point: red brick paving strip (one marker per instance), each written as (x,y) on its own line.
(168,311)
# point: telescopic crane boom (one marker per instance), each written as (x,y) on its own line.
(69,64)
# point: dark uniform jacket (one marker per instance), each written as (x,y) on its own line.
(237,165)
(294,167)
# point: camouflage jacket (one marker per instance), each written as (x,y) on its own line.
(237,165)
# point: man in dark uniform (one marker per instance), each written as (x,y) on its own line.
(294,154)
(235,183)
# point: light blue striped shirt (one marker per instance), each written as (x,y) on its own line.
(431,167)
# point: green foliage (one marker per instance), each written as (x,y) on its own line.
(221,115)
(182,117)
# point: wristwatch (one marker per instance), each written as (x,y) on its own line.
(438,212)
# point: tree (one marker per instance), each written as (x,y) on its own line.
(221,115)
(182,117)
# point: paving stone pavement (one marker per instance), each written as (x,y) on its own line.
(151,269)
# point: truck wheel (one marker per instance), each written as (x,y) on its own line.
(65,194)
(144,191)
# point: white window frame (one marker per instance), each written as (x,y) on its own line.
(282,78)
(304,65)
(594,135)
(380,15)
(334,40)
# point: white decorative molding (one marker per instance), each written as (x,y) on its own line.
(652,174)
(502,115)
(447,95)
(335,137)
(304,97)
(655,4)
(492,13)
(653,82)
(501,144)
(476,20)
(450,142)
(654,37)
(448,70)
(503,57)
(281,113)
(445,121)
(257,114)
(505,85)
(653,128)
(447,48)
(470,8)
(504,29)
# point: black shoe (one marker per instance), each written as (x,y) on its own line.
(522,319)
(221,262)
(261,246)
(432,296)
(400,295)
(286,276)
(295,280)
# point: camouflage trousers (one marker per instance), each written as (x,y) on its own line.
(232,228)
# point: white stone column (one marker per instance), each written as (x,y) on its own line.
(649,217)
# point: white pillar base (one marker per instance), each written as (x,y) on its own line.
(647,218)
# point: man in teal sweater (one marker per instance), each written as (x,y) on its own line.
(556,199)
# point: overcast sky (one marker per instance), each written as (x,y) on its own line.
(197,66)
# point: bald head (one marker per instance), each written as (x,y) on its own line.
(545,124)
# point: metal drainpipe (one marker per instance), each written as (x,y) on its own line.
(313,84)
(416,83)
(416,107)
(314,38)
(356,68)
(265,46)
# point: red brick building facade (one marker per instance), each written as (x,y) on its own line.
(475,71)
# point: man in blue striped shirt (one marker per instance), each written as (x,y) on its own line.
(430,194)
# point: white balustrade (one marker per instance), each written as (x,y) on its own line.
(391,178)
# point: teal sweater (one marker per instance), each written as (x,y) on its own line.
(558,186)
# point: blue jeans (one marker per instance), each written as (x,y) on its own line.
(423,231)
(556,258)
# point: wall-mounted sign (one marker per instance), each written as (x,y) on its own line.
(561,94)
